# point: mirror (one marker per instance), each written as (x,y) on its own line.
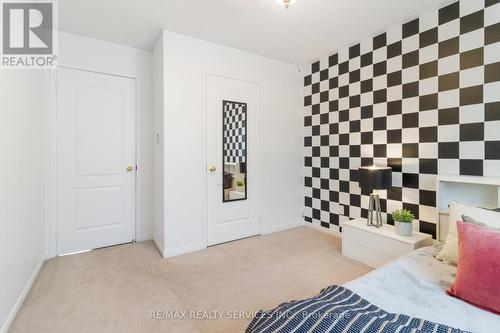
(234,152)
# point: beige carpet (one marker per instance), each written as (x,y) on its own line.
(116,289)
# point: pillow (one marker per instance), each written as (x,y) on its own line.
(478,274)
(449,253)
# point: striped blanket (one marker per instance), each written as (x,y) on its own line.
(337,309)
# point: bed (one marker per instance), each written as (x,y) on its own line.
(406,295)
(415,285)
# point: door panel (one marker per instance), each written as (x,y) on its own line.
(105,118)
(95,160)
(232,164)
(98,207)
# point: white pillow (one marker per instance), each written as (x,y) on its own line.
(449,253)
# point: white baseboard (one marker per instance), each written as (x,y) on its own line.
(183,250)
(322,229)
(281,227)
(197,247)
(159,247)
(13,313)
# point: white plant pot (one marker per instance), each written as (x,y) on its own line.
(404,229)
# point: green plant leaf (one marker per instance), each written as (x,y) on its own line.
(403,215)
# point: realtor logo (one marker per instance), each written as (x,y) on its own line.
(28,30)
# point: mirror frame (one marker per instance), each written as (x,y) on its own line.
(245,105)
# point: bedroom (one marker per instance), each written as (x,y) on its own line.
(179,166)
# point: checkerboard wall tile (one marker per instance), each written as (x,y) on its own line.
(234,131)
(423,98)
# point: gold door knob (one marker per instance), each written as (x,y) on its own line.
(130,168)
(212,168)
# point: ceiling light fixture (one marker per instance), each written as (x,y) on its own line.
(287,3)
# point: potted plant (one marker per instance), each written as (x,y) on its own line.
(403,222)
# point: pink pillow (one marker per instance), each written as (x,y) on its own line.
(478,274)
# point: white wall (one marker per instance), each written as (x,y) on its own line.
(22,185)
(94,55)
(158,146)
(24,143)
(187,61)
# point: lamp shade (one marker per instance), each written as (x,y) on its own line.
(375,178)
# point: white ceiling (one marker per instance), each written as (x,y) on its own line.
(305,32)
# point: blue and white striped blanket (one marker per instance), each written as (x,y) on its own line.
(337,309)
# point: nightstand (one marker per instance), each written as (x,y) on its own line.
(377,246)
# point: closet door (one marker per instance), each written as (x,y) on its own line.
(232,146)
(95,160)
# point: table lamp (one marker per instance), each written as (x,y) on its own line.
(375,178)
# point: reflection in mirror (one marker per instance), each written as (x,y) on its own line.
(234,115)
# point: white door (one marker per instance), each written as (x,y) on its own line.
(95,160)
(232,139)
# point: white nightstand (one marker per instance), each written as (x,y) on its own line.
(377,246)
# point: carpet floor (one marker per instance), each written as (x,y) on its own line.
(130,288)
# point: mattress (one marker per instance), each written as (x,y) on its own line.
(416,285)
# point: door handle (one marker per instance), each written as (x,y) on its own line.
(130,168)
(212,168)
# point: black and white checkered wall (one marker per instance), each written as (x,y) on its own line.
(423,98)
(234,131)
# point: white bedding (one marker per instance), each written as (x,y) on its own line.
(416,285)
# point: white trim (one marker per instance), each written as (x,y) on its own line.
(260,144)
(48,161)
(281,227)
(51,223)
(183,250)
(139,178)
(204,156)
(469,179)
(322,229)
(159,246)
(22,297)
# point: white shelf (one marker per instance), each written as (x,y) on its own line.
(469,179)
(469,190)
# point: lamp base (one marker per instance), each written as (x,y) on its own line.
(374,206)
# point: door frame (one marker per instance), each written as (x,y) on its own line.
(51,148)
(204,167)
